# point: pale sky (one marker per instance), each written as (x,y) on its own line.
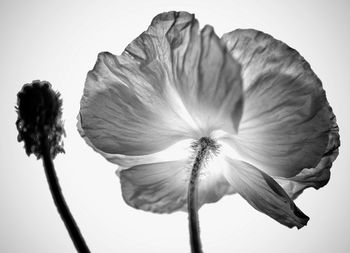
(58,41)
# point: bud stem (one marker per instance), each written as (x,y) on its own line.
(58,198)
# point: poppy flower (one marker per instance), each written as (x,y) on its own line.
(246,104)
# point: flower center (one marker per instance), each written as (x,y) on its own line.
(204,149)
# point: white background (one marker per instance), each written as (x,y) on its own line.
(59,42)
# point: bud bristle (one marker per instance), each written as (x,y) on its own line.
(39,111)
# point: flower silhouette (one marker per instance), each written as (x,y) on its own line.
(246,107)
(40,127)
(39,110)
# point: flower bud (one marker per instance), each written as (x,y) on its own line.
(39,111)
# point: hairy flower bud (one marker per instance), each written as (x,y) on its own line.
(39,116)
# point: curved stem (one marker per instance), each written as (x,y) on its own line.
(58,198)
(192,205)
(203,146)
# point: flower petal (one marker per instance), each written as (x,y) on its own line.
(212,184)
(156,187)
(177,151)
(171,83)
(264,194)
(162,187)
(286,119)
(197,66)
(285,126)
(314,177)
(121,113)
(259,53)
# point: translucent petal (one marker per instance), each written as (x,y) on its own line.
(212,184)
(161,187)
(157,187)
(264,194)
(197,66)
(286,122)
(285,126)
(259,54)
(121,113)
(171,83)
(314,177)
(177,151)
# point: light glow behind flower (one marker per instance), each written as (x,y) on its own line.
(254,96)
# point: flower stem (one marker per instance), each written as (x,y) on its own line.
(58,198)
(203,146)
